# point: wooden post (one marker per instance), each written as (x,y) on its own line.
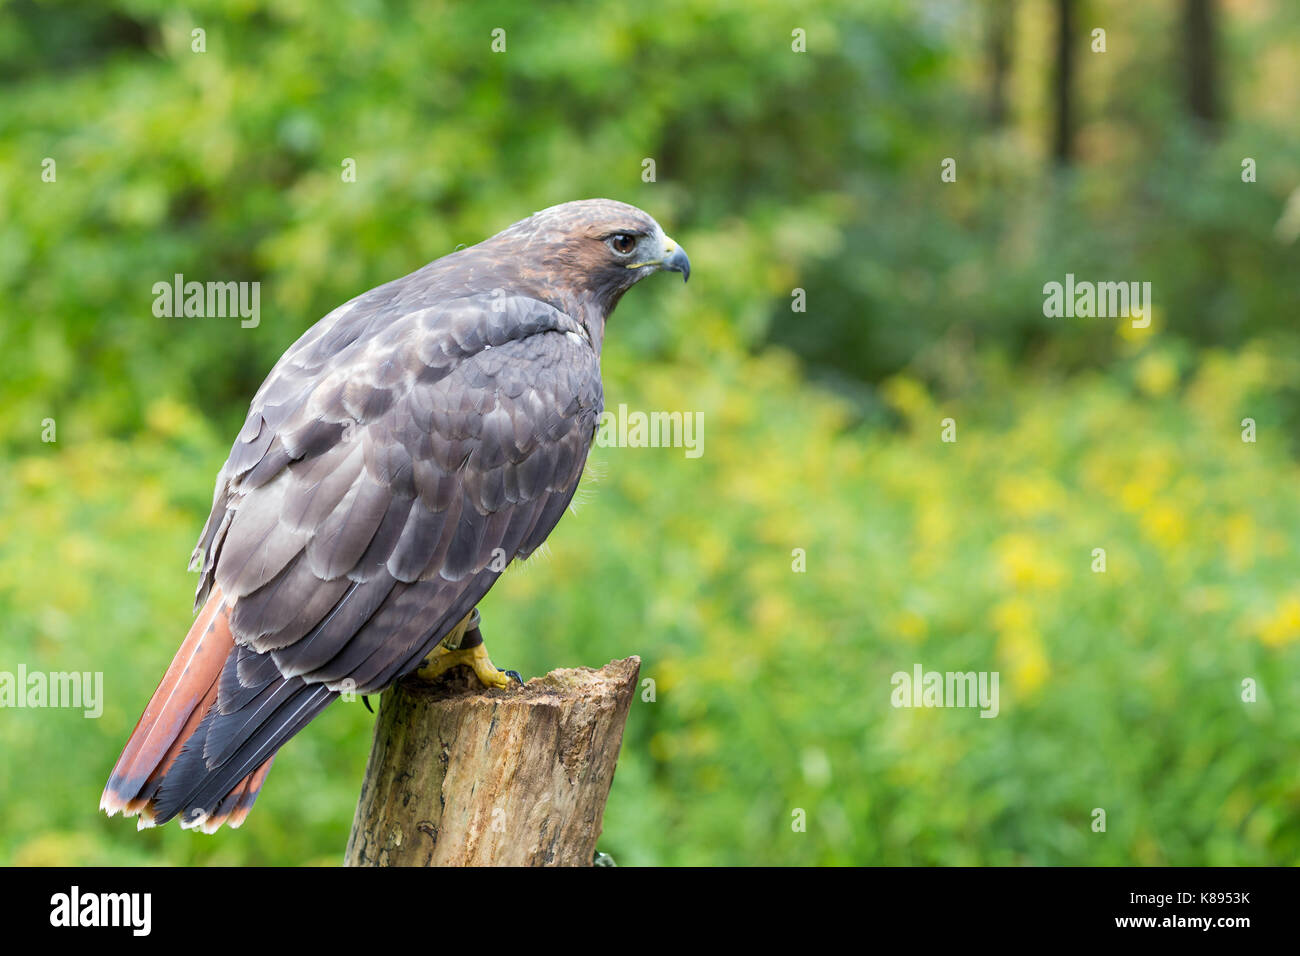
(463,776)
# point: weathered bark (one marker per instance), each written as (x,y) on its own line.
(463,776)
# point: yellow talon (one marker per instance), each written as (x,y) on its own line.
(476,657)
(449,654)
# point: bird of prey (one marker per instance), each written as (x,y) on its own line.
(399,455)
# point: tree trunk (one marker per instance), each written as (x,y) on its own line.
(1001,26)
(1063,83)
(1202,64)
(463,776)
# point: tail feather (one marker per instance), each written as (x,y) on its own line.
(164,769)
(234,808)
(186,692)
(164,720)
(196,788)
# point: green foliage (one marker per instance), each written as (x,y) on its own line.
(1119,690)
(227,165)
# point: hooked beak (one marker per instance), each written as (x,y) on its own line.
(675,259)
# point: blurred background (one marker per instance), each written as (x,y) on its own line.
(778,170)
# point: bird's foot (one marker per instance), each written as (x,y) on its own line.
(475,658)
(464,645)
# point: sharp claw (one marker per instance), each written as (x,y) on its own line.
(515,675)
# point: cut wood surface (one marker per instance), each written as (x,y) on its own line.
(464,776)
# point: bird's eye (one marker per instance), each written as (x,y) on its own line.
(622,244)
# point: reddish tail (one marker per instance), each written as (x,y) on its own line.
(187,694)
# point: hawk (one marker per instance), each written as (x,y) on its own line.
(399,455)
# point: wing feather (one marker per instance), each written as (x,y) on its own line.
(394,455)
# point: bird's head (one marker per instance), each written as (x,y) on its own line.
(601,247)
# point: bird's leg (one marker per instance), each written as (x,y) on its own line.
(464,645)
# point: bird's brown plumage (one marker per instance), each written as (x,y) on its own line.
(404,442)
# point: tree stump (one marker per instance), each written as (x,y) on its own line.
(463,776)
